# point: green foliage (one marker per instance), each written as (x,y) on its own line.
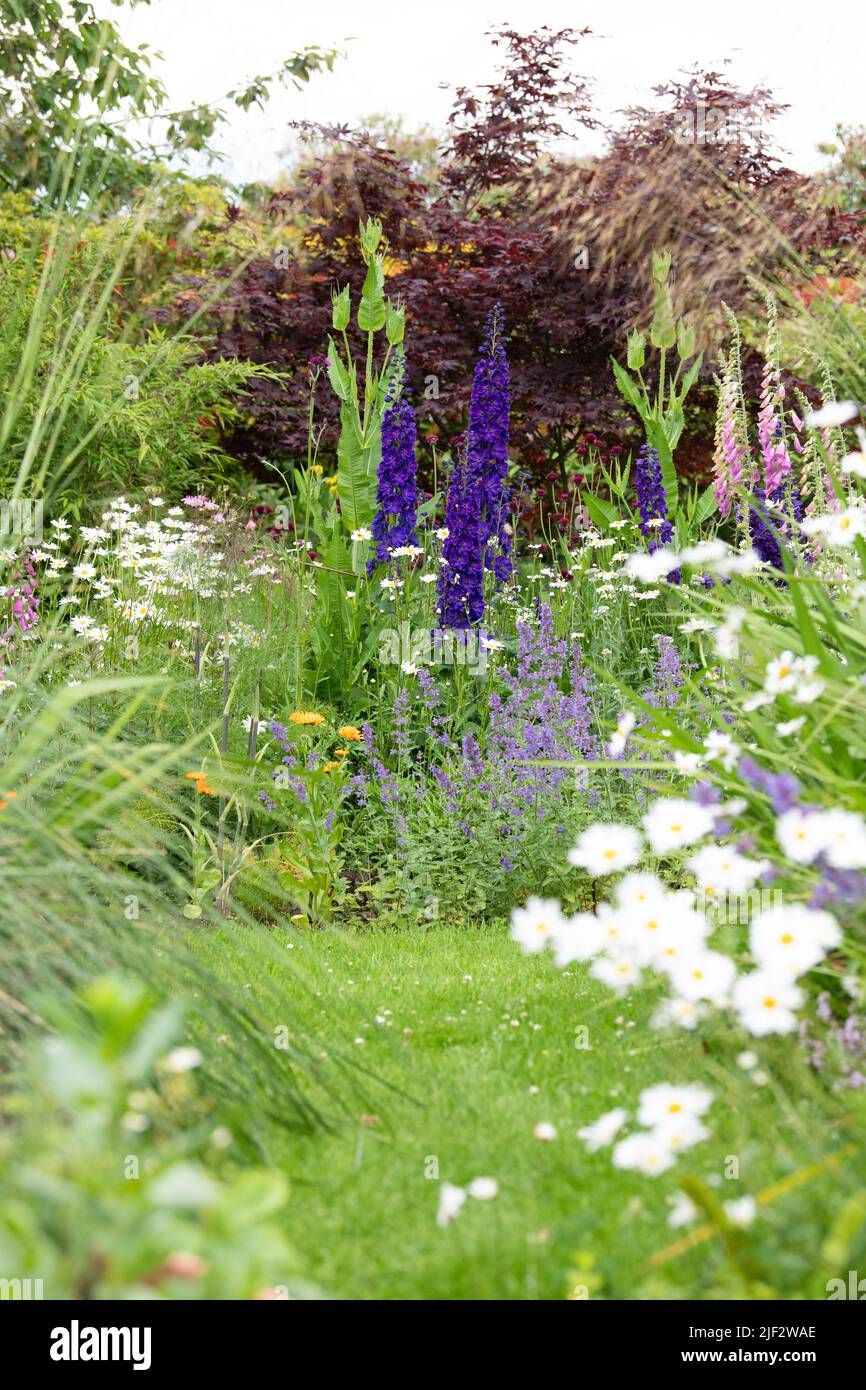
(86,411)
(360,444)
(70,88)
(663,414)
(116,1180)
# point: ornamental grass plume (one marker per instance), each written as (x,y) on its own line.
(397,493)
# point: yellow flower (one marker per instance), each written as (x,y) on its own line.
(306,716)
(350,733)
(340,752)
(330,765)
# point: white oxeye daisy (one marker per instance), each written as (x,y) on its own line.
(362,534)
(686,1013)
(664,1102)
(681,1132)
(672,822)
(620,972)
(644,1152)
(483,1189)
(741,1211)
(451,1200)
(832,413)
(722,869)
(537,923)
(765,1001)
(619,739)
(544,1131)
(648,569)
(606,848)
(578,938)
(792,938)
(781,674)
(683,1211)
(801,835)
(790,726)
(687,763)
(837,528)
(602,1131)
(845,839)
(721,748)
(703,974)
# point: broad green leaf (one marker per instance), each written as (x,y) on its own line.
(705,507)
(602,513)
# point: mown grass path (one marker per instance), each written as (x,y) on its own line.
(484,1042)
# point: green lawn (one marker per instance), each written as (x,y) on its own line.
(480,1040)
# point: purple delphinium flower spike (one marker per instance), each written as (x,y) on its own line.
(487,444)
(397,493)
(652,503)
(461,577)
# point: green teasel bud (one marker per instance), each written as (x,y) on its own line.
(685,339)
(370,234)
(636,355)
(395,322)
(663,331)
(661,267)
(341,308)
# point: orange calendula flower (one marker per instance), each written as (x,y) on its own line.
(201,786)
(6,798)
(306,716)
(340,752)
(350,733)
(330,765)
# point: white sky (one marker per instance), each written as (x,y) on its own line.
(810,53)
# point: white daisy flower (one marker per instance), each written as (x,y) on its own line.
(722,869)
(801,835)
(703,974)
(646,1153)
(741,1211)
(765,1001)
(544,1131)
(672,823)
(837,528)
(540,921)
(832,413)
(619,739)
(606,848)
(451,1200)
(602,1131)
(845,839)
(483,1189)
(648,569)
(664,1102)
(721,748)
(792,938)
